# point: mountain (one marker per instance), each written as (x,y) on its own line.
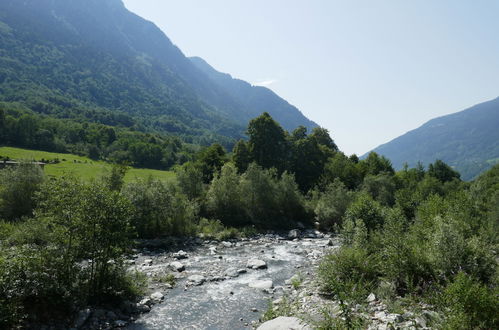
(95,60)
(255,98)
(467,140)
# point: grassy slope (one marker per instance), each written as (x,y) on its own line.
(78,166)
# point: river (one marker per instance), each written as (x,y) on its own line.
(227,299)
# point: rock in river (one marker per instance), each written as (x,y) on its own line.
(177,266)
(196,279)
(180,255)
(256,264)
(264,284)
(284,323)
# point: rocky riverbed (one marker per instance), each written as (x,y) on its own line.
(203,284)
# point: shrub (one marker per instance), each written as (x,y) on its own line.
(332,205)
(349,274)
(216,230)
(158,209)
(18,185)
(368,210)
(471,304)
(224,200)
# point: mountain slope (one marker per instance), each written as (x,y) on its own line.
(72,58)
(467,140)
(256,98)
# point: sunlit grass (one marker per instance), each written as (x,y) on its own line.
(79,166)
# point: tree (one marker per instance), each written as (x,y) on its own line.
(321,135)
(241,156)
(190,180)
(211,160)
(267,143)
(341,167)
(307,160)
(375,164)
(3,137)
(442,171)
(332,205)
(224,200)
(90,222)
(18,186)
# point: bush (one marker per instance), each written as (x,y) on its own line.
(368,210)
(472,305)
(158,209)
(216,230)
(350,274)
(18,185)
(89,222)
(224,200)
(332,205)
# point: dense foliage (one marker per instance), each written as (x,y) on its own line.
(427,238)
(417,233)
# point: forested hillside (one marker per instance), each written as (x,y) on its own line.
(466,140)
(95,61)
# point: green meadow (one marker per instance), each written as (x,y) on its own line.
(81,167)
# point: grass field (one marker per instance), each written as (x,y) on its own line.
(81,167)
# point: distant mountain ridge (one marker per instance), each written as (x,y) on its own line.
(467,140)
(255,98)
(69,57)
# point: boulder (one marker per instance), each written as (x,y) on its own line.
(284,323)
(196,280)
(180,255)
(371,298)
(293,234)
(232,272)
(256,264)
(227,244)
(177,266)
(157,297)
(264,284)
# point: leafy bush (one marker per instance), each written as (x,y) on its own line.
(18,185)
(216,230)
(331,205)
(158,209)
(368,210)
(471,304)
(224,199)
(349,274)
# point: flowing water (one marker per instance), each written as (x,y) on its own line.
(225,302)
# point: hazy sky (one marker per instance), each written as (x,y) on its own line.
(367,70)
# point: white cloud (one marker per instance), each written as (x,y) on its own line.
(265,83)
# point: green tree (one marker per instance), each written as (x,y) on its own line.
(3,128)
(375,164)
(18,186)
(241,156)
(90,222)
(189,179)
(321,135)
(341,167)
(442,171)
(211,160)
(224,200)
(332,205)
(267,142)
(159,209)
